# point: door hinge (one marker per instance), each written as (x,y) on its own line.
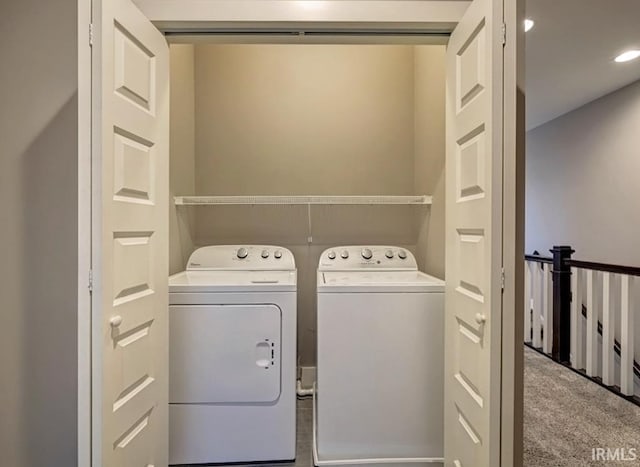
(502,279)
(90,34)
(504,33)
(90,284)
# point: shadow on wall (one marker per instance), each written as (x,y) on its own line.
(49,312)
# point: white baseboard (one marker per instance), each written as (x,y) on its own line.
(307,376)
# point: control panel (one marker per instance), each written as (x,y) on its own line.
(242,257)
(367,257)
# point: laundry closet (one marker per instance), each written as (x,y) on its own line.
(292,120)
(288,145)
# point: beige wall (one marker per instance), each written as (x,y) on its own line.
(38,233)
(582,181)
(291,119)
(429,134)
(319,120)
(182,159)
(582,185)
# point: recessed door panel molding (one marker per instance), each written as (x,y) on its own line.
(133,169)
(130,343)
(471,166)
(465,435)
(135,444)
(470,64)
(133,355)
(134,69)
(132,266)
(471,259)
(474,238)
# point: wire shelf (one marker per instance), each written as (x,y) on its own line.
(302,200)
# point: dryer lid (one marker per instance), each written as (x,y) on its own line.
(241,258)
(232,281)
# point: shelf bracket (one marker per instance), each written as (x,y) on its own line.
(310,227)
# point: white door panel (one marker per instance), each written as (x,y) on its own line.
(130,387)
(224,353)
(473,241)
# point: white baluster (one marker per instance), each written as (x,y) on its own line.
(577,360)
(626,337)
(537,306)
(527,301)
(608,330)
(593,305)
(547,308)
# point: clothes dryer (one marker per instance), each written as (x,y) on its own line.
(232,356)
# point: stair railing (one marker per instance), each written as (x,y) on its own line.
(582,314)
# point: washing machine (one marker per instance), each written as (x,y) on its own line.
(379,391)
(232,356)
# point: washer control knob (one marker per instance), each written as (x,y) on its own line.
(277,254)
(344,254)
(243,253)
(389,254)
(331,255)
(265,254)
(402,254)
(367,254)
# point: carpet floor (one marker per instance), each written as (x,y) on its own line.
(566,416)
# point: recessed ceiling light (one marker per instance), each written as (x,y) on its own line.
(528,24)
(627,56)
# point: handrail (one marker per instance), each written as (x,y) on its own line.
(613,268)
(574,263)
(538,259)
(563,311)
(617,347)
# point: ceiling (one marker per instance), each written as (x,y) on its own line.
(570,53)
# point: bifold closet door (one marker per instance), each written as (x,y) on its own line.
(474,238)
(130,238)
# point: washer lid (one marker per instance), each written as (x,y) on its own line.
(233,281)
(377,282)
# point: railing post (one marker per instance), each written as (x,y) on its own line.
(561,348)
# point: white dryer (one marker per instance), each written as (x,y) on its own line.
(379,393)
(232,356)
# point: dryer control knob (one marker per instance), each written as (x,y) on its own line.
(344,254)
(265,254)
(367,254)
(277,254)
(402,254)
(389,254)
(243,253)
(331,255)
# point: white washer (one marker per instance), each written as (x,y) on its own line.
(232,356)
(379,393)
